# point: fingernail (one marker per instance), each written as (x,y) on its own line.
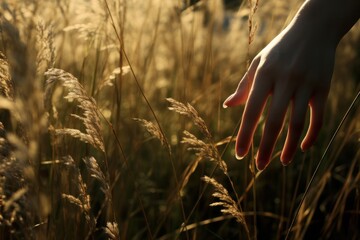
(240,153)
(227,100)
(304,147)
(285,160)
(238,157)
(285,163)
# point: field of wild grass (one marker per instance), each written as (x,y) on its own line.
(112,126)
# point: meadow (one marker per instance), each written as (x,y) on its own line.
(112,126)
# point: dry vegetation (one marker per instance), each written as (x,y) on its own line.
(111,126)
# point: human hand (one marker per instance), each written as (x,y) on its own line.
(295,69)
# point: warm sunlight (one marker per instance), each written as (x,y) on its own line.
(112,123)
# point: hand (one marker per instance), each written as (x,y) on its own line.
(295,69)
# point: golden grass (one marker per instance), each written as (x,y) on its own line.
(87,85)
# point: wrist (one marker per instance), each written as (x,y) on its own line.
(327,20)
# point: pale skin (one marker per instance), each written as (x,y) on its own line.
(295,69)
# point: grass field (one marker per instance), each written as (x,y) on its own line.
(112,126)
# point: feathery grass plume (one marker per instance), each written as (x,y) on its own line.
(228,204)
(153,129)
(46,48)
(17,208)
(6,84)
(83,199)
(112,230)
(190,112)
(109,81)
(90,118)
(96,172)
(16,40)
(204,150)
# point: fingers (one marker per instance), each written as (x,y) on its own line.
(296,126)
(273,126)
(242,92)
(317,107)
(253,109)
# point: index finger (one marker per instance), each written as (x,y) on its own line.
(253,109)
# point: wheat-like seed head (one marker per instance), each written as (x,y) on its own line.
(204,150)
(46,49)
(153,129)
(96,172)
(17,208)
(90,118)
(74,200)
(112,230)
(228,205)
(190,112)
(6,84)
(83,198)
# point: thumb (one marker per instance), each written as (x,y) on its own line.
(243,89)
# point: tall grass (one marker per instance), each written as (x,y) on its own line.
(111,126)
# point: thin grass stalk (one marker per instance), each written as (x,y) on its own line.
(205,222)
(339,206)
(206,186)
(119,84)
(296,190)
(148,104)
(111,126)
(254,176)
(186,63)
(95,72)
(108,200)
(137,191)
(321,160)
(251,26)
(149,57)
(282,209)
(131,67)
(335,156)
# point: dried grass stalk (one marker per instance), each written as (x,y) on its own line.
(17,206)
(204,150)
(83,199)
(6,84)
(351,184)
(228,205)
(153,129)
(90,118)
(308,208)
(96,172)
(190,112)
(112,230)
(253,5)
(46,48)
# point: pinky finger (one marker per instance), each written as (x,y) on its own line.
(317,107)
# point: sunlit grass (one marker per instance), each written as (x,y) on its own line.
(112,126)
